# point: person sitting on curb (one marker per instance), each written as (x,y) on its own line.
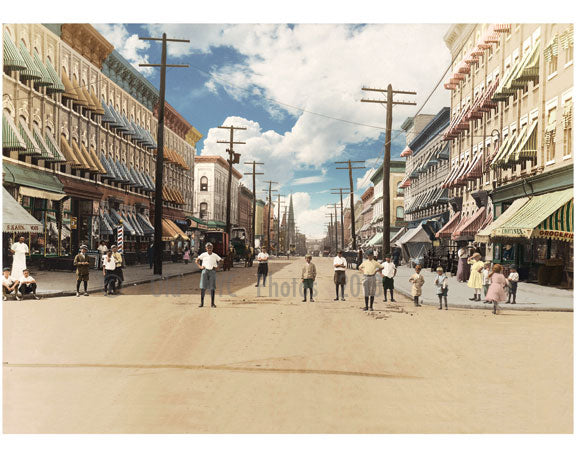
(9,285)
(82,264)
(308,276)
(417,281)
(369,268)
(27,285)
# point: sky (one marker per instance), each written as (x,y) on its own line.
(297,90)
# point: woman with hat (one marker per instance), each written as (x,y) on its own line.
(475,281)
(441,282)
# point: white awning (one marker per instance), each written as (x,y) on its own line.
(15,218)
(415,235)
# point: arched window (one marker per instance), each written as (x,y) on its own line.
(203,184)
(399,212)
(203,210)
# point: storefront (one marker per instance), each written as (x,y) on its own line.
(536,234)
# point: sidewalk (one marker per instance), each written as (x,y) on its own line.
(57,283)
(530,297)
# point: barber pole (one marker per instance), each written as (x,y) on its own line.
(120,240)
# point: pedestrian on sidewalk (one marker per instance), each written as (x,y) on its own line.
(513,278)
(9,285)
(150,255)
(388,272)
(496,291)
(308,276)
(27,285)
(119,272)
(463,272)
(417,281)
(441,282)
(82,264)
(359,259)
(262,266)
(486,279)
(109,273)
(19,251)
(186,255)
(340,266)
(102,250)
(369,268)
(475,281)
(208,262)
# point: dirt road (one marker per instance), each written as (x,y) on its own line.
(150,362)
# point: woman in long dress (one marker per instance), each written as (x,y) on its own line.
(475,281)
(19,249)
(496,291)
(463,271)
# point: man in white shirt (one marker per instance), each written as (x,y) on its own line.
(109,272)
(262,266)
(19,249)
(208,262)
(340,266)
(388,273)
(9,285)
(102,250)
(27,285)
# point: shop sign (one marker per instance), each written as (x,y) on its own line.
(73,223)
(512,232)
(22,228)
(554,235)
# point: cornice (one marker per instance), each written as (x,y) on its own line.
(87,41)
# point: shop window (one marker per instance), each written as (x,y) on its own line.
(203,210)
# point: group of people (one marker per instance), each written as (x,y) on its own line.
(111,262)
(17,281)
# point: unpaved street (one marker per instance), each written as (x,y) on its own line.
(148,362)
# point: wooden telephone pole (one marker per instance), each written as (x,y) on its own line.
(335,206)
(340,189)
(269,190)
(253,174)
(331,231)
(278,233)
(386,163)
(350,167)
(158,201)
(232,159)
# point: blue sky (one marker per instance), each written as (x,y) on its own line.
(247,74)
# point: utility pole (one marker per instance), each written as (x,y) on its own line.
(335,206)
(158,201)
(232,159)
(386,163)
(253,174)
(350,167)
(278,233)
(331,231)
(340,189)
(269,210)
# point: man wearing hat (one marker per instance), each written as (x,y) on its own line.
(82,264)
(388,273)
(369,268)
(9,285)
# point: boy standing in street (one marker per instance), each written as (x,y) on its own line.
(513,278)
(388,272)
(369,268)
(208,262)
(340,266)
(417,281)
(82,264)
(308,277)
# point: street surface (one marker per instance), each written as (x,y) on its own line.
(148,361)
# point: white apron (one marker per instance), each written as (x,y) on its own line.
(19,262)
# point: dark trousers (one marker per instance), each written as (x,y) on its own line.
(110,281)
(27,288)
(203,294)
(78,285)
(6,291)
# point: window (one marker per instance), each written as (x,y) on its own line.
(551,56)
(399,212)
(567,124)
(203,210)
(567,42)
(203,184)
(550,134)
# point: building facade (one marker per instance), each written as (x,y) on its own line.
(367,230)
(511,144)
(245,210)
(79,147)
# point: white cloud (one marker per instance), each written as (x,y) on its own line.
(309,221)
(364,182)
(129,46)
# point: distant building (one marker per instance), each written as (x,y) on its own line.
(245,210)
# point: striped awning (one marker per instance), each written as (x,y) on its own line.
(69,153)
(446,230)
(512,156)
(31,72)
(32,148)
(44,149)
(108,117)
(531,69)
(12,58)
(57,85)
(80,97)
(505,89)
(483,236)
(96,160)
(83,161)
(99,109)
(109,170)
(69,90)
(558,226)
(11,138)
(503,28)
(46,80)
(526,221)
(528,148)
(145,224)
(471,224)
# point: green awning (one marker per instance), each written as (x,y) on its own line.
(32,178)
(44,149)
(502,151)
(57,155)
(531,69)
(514,82)
(504,91)
(46,80)
(514,150)
(31,72)
(11,139)
(215,224)
(31,147)
(529,217)
(529,146)
(12,58)
(375,240)
(57,85)
(558,226)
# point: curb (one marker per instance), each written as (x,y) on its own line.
(125,285)
(486,306)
